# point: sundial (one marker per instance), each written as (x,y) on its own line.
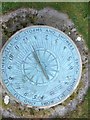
(40,66)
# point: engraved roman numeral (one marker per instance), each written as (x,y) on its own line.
(11,57)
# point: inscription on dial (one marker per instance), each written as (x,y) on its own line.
(40,66)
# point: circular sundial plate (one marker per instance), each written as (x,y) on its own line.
(40,66)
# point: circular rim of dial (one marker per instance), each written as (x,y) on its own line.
(43,70)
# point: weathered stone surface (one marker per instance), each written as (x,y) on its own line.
(60,111)
(21,18)
(7,113)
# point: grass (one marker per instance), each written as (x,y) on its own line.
(89,24)
(78,12)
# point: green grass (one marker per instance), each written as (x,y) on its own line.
(89,24)
(78,12)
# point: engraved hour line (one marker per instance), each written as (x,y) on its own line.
(25,62)
(26,69)
(29,62)
(30,58)
(34,72)
(18,72)
(31,74)
(70,50)
(66,65)
(37,78)
(53,45)
(48,56)
(49,41)
(27,47)
(54,70)
(24,49)
(24,79)
(42,79)
(68,53)
(12,66)
(21,53)
(17,64)
(18,61)
(18,58)
(42,54)
(30,46)
(53,65)
(64,58)
(61,49)
(30,66)
(38,53)
(62,74)
(45,42)
(31,78)
(65,70)
(50,74)
(51,59)
(35,44)
(35,37)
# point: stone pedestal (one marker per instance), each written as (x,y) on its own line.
(22,18)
